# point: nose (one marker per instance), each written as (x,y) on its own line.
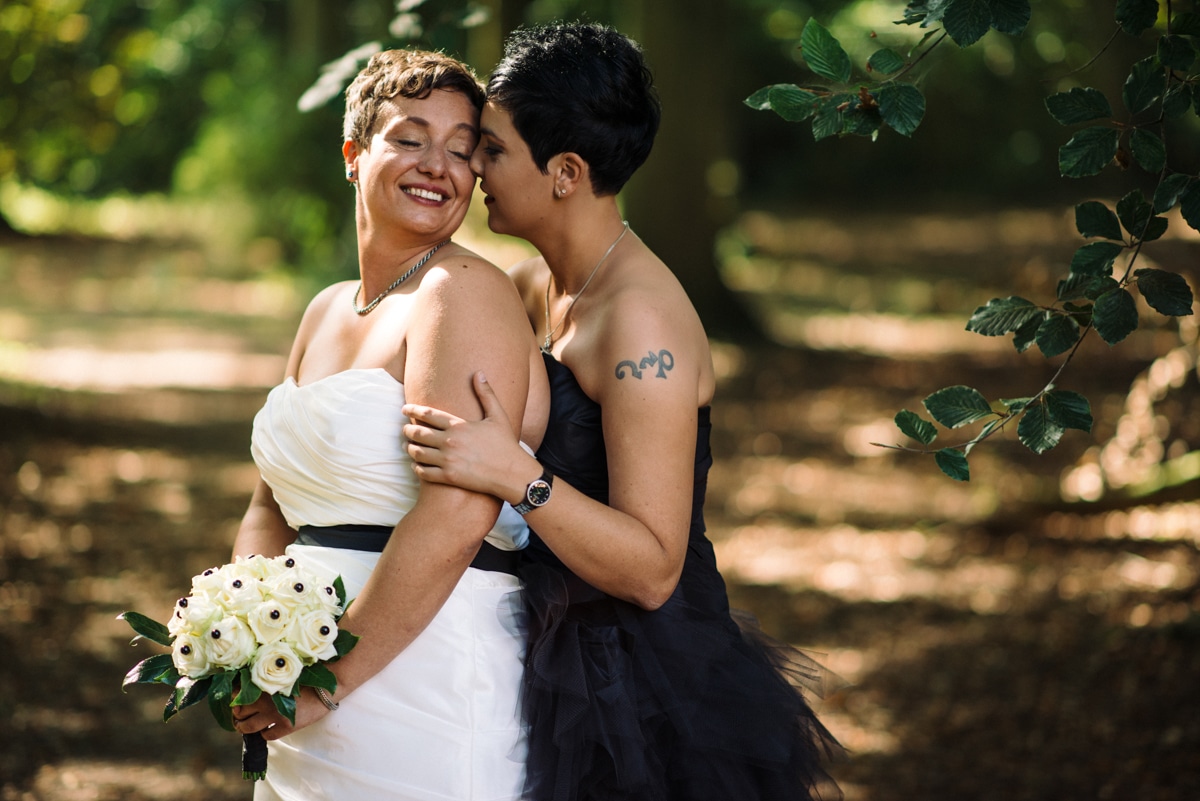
(434,162)
(476,160)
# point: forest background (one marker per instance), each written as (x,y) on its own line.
(167,207)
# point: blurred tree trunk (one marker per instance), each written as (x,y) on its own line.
(686,191)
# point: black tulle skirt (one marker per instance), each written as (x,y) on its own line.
(684,702)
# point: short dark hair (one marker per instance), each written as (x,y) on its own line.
(404,73)
(574,87)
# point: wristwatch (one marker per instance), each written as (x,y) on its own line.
(537,493)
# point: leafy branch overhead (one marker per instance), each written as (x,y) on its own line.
(1096,292)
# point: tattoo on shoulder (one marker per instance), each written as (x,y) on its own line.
(663,360)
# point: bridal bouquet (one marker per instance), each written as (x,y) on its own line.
(257,625)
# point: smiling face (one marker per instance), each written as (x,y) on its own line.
(517,193)
(414,172)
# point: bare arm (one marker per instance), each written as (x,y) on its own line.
(263,529)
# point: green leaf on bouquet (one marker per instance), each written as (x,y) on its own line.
(953,463)
(344,643)
(220,695)
(145,627)
(286,705)
(1037,430)
(318,676)
(248,691)
(157,669)
(913,425)
(1167,293)
(1069,409)
(957,406)
(187,692)
(339,587)
(1002,316)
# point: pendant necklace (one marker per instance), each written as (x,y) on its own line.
(396,283)
(548,342)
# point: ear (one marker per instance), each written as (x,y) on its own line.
(350,155)
(570,172)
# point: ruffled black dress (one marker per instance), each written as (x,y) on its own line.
(679,703)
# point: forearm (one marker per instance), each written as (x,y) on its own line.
(263,529)
(424,560)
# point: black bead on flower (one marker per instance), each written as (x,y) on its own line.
(329,590)
(237,584)
(185,650)
(216,634)
(208,572)
(183,602)
(324,631)
(280,662)
(298,587)
(274,614)
(290,562)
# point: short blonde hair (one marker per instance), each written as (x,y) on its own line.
(404,73)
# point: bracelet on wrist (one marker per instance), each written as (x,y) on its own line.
(329,703)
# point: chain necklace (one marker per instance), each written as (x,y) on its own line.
(548,342)
(396,283)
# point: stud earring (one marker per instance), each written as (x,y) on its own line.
(349,175)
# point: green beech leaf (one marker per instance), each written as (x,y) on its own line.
(1168,191)
(1002,316)
(1115,316)
(1167,293)
(150,629)
(1137,215)
(967,20)
(1148,150)
(902,107)
(1175,52)
(286,705)
(761,99)
(1069,409)
(1186,24)
(220,694)
(1037,430)
(1093,218)
(1135,16)
(1010,16)
(318,675)
(885,62)
(1057,335)
(925,12)
(787,100)
(829,121)
(861,121)
(953,463)
(1177,101)
(1015,405)
(1189,205)
(1088,152)
(1146,83)
(1095,258)
(1081,104)
(913,425)
(823,53)
(157,669)
(1024,336)
(1098,285)
(957,406)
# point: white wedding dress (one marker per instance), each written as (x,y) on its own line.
(441,722)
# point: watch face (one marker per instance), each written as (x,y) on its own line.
(538,493)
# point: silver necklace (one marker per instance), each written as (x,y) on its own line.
(548,342)
(396,283)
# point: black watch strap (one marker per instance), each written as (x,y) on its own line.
(537,493)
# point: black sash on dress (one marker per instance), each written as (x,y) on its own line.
(362,537)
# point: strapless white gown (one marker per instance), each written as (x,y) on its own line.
(441,722)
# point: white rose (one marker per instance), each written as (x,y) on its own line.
(276,668)
(195,614)
(269,621)
(241,590)
(190,655)
(208,583)
(294,589)
(313,634)
(231,643)
(259,566)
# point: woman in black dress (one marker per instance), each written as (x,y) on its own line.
(639,684)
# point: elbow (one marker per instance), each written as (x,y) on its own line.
(652,595)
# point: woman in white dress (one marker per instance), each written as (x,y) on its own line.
(426,705)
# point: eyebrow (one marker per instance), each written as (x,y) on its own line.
(491,133)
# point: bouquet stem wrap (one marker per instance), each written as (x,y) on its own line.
(254,757)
